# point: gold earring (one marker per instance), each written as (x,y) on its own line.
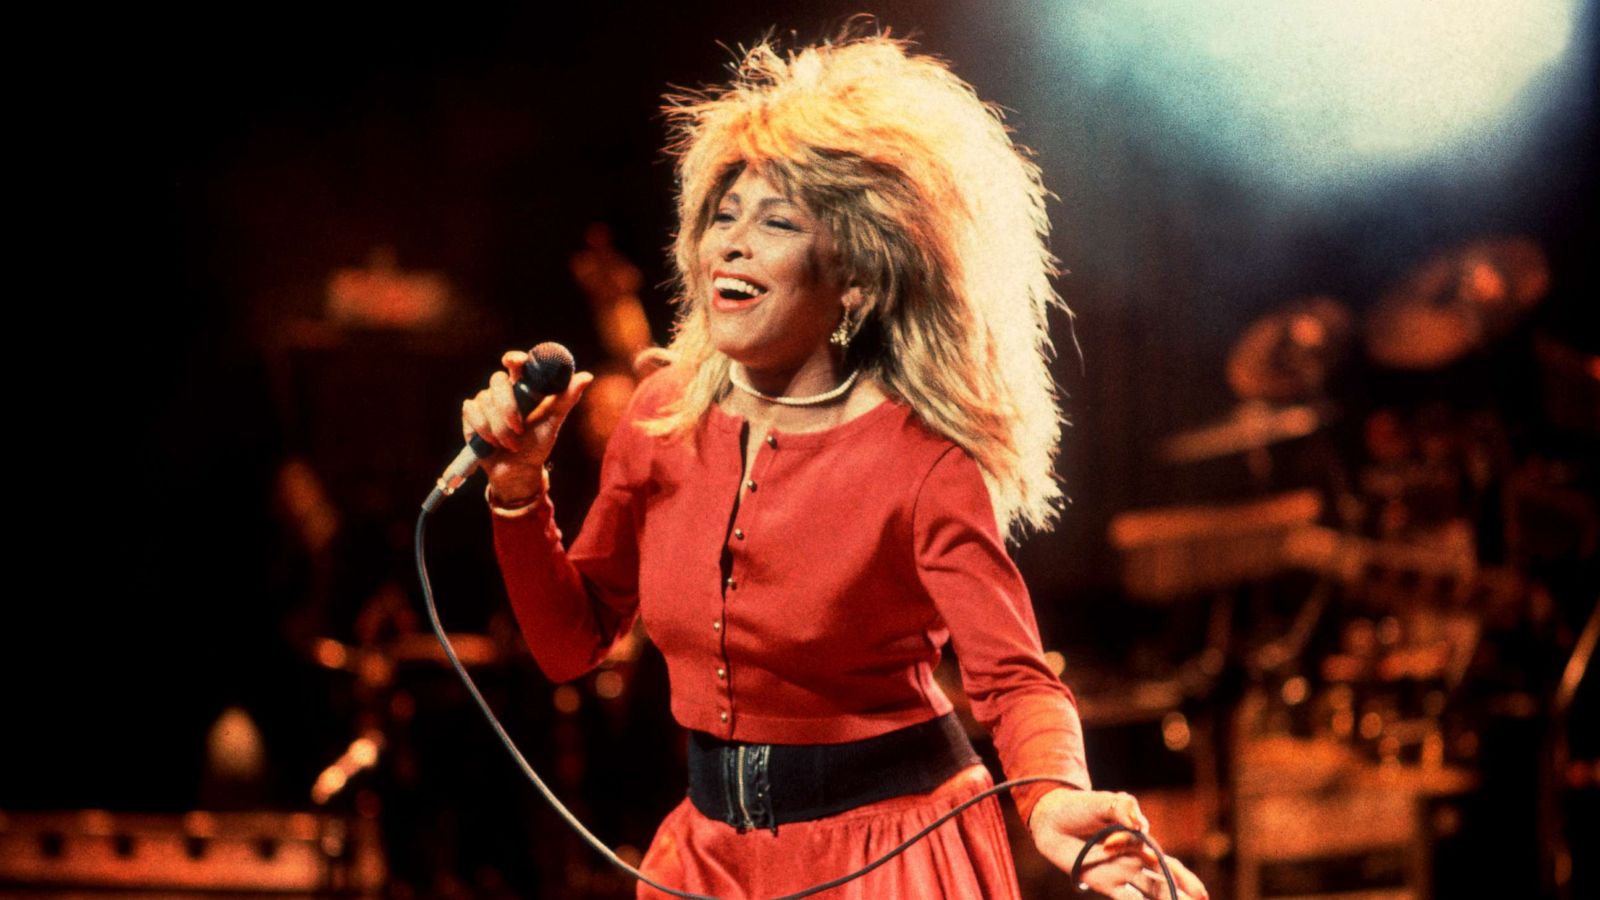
(841,335)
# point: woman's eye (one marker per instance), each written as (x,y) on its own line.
(785,224)
(722,216)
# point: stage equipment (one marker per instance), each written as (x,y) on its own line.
(1253,426)
(1286,356)
(263,854)
(1183,557)
(1457,302)
(1316,821)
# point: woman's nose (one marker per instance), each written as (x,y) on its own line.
(735,242)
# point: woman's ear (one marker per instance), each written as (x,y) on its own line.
(854,301)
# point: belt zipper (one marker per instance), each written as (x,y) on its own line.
(748,822)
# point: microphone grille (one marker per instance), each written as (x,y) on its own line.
(549,368)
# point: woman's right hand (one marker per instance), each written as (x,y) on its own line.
(522,443)
(1121,866)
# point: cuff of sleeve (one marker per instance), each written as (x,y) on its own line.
(521,507)
(1042,736)
(1029,795)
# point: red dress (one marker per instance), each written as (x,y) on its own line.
(856,554)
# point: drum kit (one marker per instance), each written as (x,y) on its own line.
(1355,687)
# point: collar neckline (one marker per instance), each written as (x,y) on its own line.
(726,421)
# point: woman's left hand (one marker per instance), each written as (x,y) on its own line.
(1121,867)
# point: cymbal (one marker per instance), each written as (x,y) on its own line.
(1254,424)
(1457,302)
(1287,354)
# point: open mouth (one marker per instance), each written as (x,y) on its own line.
(734,292)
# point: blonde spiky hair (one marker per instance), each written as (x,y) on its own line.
(936,215)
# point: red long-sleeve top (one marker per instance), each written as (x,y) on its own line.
(855,554)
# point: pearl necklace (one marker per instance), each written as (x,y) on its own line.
(813,400)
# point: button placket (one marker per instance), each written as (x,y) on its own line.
(722,683)
(745,512)
(747,509)
(748,504)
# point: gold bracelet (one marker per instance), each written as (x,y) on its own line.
(521,507)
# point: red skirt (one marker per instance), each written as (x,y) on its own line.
(968,856)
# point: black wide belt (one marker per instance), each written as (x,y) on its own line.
(767,785)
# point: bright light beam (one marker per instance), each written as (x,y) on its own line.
(1314,89)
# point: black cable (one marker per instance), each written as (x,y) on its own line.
(1108,831)
(494,722)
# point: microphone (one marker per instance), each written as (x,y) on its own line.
(547,371)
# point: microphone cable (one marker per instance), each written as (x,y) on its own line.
(603,850)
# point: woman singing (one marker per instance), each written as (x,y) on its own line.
(813,498)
